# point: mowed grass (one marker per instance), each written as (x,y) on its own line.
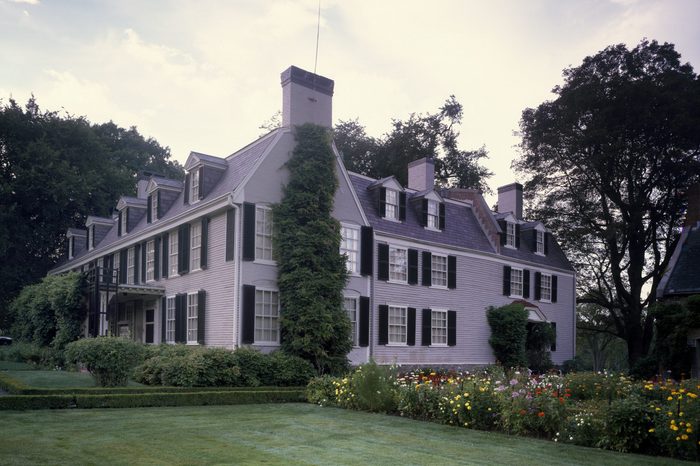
(15,366)
(270,434)
(55,379)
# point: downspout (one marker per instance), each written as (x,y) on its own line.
(237,272)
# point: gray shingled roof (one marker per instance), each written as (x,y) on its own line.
(685,276)
(239,164)
(77,231)
(209,158)
(461,228)
(167,182)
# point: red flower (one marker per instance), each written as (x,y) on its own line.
(523,412)
(541,414)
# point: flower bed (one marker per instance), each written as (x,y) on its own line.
(591,409)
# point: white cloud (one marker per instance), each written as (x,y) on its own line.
(28,2)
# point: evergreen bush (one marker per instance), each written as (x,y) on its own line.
(509,334)
(110,360)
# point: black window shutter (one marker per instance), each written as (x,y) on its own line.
(366,250)
(164,256)
(126,212)
(383,314)
(442,216)
(538,286)
(248,231)
(554,343)
(427,268)
(402,206)
(383,262)
(201,315)
(426,327)
(230,238)
(452,272)
(149,219)
(506,280)
(183,246)
(554,288)
(201,183)
(363,337)
(451,328)
(411,327)
(204,250)
(412,267)
(163,317)
(181,318)
(534,240)
(526,283)
(504,228)
(156,257)
(382,202)
(248,321)
(137,263)
(123,258)
(160,205)
(546,242)
(119,224)
(424,213)
(517,235)
(187,188)
(144,247)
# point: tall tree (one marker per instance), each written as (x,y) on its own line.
(608,162)
(311,271)
(432,135)
(56,169)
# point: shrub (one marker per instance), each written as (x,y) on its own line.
(540,337)
(256,367)
(627,425)
(287,370)
(22,352)
(110,360)
(373,387)
(508,334)
(598,385)
(321,390)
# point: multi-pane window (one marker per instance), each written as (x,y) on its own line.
(438,270)
(170,319)
(438,327)
(172,254)
(125,218)
(130,266)
(71,242)
(266,316)
(349,245)
(196,246)
(89,238)
(510,234)
(540,242)
(192,307)
(350,306)
(516,282)
(194,186)
(397,264)
(397,325)
(433,215)
(392,204)
(546,287)
(154,206)
(263,233)
(150,260)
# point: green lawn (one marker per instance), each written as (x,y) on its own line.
(55,379)
(270,434)
(15,366)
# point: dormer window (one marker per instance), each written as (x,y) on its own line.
(539,236)
(392,205)
(510,234)
(71,247)
(433,215)
(124,221)
(154,207)
(90,233)
(194,186)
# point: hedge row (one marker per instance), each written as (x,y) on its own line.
(141,400)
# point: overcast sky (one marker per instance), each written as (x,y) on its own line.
(204,75)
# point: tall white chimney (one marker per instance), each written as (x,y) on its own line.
(306,98)
(510,199)
(421,174)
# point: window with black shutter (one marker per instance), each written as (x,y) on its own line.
(137,263)
(506,280)
(402,206)
(426,327)
(427,278)
(183,246)
(442,216)
(363,337)
(538,286)
(451,328)
(411,327)
(187,188)
(163,318)
(201,314)
(230,233)
(383,262)
(526,283)
(382,202)
(165,256)
(554,288)
(451,272)
(412,267)
(517,235)
(383,315)
(204,249)
(123,258)
(366,251)
(156,258)
(119,224)
(248,231)
(149,208)
(181,318)
(424,212)
(248,320)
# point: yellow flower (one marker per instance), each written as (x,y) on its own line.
(669,398)
(652,429)
(674,428)
(684,437)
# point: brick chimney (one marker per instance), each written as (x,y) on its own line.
(306,98)
(510,199)
(692,216)
(421,174)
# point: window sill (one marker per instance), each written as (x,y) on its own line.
(438,345)
(266,343)
(192,343)
(509,246)
(265,262)
(539,254)
(515,296)
(432,229)
(195,270)
(438,287)
(546,301)
(397,344)
(395,220)
(395,282)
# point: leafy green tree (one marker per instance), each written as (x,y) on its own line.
(56,169)
(608,162)
(597,344)
(312,273)
(432,135)
(509,334)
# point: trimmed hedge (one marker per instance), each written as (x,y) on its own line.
(141,400)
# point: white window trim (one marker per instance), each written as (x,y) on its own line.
(173,263)
(395,210)
(542,275)
(522,280)
(150,261)
(432,272)
(188,318)
(393,280)
(154,206)
(354,271)
(71,243)
(174,309)
(279,308)
(537,243)
(405,311)
(195,249)
(510,225)
(439,345)
(268,215)
(194,196)
(131,266)
(125,222)
(356,340)
(436,216)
